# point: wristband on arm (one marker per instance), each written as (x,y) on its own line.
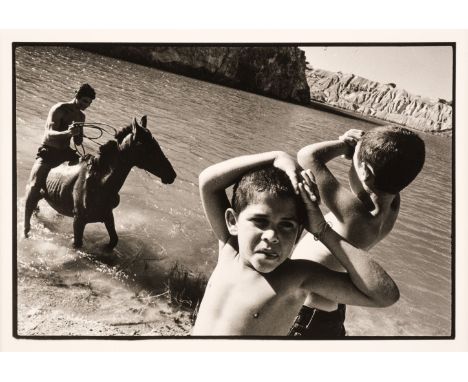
(323,227)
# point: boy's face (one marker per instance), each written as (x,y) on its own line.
(266,230)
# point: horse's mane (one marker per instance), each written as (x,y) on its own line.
(122,133)
(100,164)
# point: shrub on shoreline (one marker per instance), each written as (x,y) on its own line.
(185,288)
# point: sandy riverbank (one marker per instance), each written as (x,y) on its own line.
(84,308)
(68,292)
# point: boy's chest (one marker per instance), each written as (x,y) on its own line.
(256,305)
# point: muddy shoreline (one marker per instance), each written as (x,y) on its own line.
(66,292)
(84,309)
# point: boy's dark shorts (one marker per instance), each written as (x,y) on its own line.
(315,323)
(54,157)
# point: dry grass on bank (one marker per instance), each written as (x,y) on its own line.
(185,288)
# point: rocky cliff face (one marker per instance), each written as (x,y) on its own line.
(278,72)
(383,101)
(281,72)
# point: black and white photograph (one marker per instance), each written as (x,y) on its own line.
(293,191)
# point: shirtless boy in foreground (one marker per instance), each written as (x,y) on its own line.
(255,288)
(384,160)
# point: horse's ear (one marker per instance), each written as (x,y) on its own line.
(135,127)
(143,121)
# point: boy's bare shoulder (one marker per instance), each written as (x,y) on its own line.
(364,227)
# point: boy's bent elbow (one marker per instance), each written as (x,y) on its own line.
(205,178)
(394,295)
(304,156)
(389,296)
(202,178)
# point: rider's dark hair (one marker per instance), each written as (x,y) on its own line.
(85,90)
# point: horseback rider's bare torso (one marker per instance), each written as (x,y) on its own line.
(60,117)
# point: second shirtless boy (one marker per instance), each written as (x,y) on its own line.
(383,161)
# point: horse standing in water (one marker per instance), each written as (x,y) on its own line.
(89,190)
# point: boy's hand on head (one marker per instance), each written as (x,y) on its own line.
(351,138)
(289,165)
(310,197)
(308,179)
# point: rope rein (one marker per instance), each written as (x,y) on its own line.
(94,126)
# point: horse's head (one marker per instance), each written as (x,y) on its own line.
(146,154)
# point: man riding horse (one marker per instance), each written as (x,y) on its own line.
(60,127)
(88,189)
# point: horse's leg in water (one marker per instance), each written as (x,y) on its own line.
(110,226)
(36,181)
(78,230)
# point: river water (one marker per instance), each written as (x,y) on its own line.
(198,124)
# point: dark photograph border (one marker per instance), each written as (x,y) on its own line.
(200,76)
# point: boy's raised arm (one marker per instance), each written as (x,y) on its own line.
(315,157)
(366,283)
(214,180)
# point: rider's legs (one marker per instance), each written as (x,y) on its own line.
(36,182)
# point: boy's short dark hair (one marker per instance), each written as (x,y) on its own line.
(85,90)
(265,179)
(396,155)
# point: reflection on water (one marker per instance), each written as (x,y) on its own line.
(197,124)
